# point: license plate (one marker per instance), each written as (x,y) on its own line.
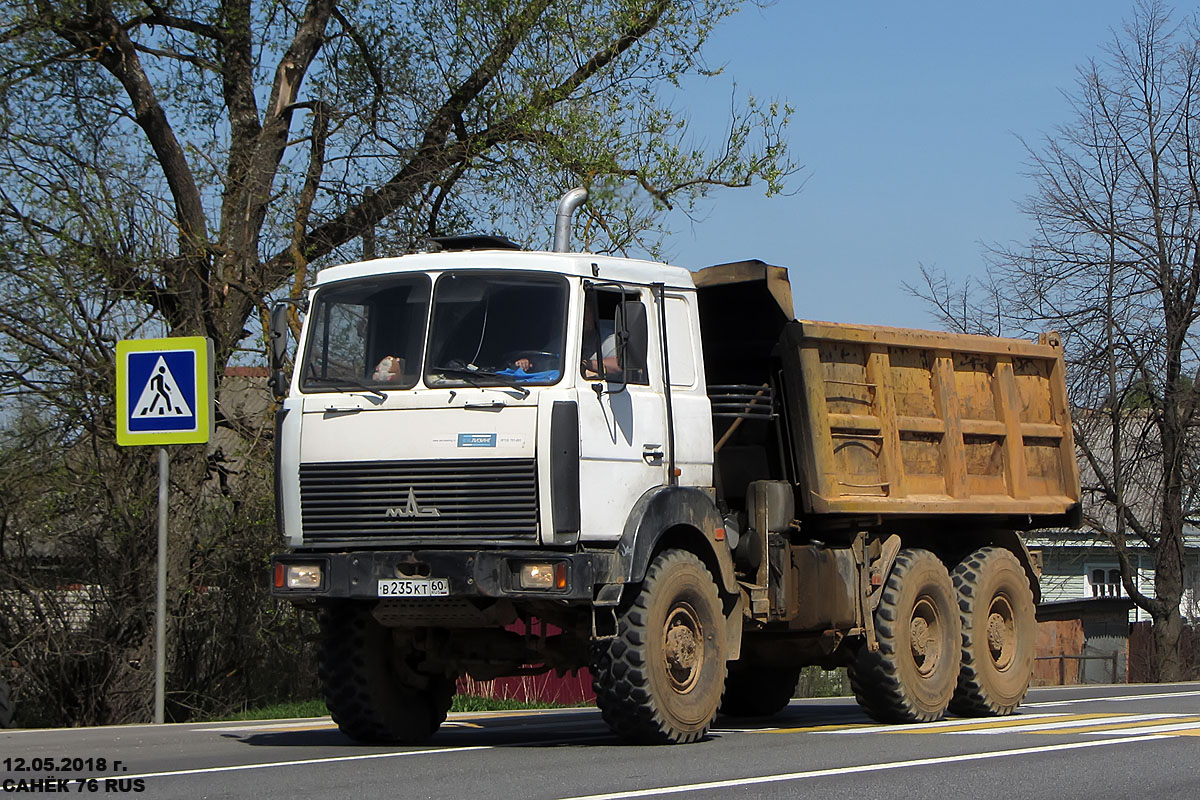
(414,587)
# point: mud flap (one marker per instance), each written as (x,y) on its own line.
(733,627)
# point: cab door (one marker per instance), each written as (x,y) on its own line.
(622,413)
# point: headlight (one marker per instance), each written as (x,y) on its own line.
(546,577)
(298,576)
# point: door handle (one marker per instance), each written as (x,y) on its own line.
(652,454)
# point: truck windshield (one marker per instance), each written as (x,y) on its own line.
(367,334)
(497,329)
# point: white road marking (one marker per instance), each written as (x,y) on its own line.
(1119,699)
(880,767)
(1174,728)
(294,763)
(567,740)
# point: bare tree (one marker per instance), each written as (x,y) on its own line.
(1115,266)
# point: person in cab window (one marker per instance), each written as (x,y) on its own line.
(599,345)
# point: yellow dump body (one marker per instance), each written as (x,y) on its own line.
(898,421)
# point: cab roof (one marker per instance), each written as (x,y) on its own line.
(583,265)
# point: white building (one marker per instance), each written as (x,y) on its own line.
(1081,564)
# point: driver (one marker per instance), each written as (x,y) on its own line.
(607,354)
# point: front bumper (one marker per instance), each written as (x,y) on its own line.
(491,574)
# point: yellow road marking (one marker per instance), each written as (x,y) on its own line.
(277,727)
(1002,722)
(1112,726)
(814,728)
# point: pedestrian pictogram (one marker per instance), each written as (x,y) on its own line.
(162,396)
(164,391)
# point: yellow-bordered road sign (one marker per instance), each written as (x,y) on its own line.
(164,391)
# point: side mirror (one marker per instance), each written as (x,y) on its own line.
(278,334)
(633,340)
(277,339)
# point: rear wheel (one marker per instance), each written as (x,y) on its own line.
(758,691)
(660,679)
(999,629)
(911,678)
(371,688)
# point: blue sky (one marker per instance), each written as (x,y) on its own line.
(907,119)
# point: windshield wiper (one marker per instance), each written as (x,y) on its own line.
(469,374)
(348,383)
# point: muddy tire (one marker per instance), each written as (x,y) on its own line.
(913,675)
(660,679)
(7,707)
(999,629)
(370,687)
(757,691)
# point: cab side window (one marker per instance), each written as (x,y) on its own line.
(615,336)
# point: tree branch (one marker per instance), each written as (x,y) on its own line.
(434,155)
(107,39)
(253,196)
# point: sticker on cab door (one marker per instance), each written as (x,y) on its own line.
(477,440)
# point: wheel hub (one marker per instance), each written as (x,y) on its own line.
(924,636)
(683,652)
(1001,632)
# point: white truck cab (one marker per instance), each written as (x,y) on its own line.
(484,364)
(482,436)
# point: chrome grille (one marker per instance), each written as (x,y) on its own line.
(494,499)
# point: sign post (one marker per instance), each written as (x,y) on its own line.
(164,396)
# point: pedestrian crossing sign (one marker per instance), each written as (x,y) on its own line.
(164,391)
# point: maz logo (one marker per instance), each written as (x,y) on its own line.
(411,509)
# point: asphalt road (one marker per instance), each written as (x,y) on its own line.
(1071,742)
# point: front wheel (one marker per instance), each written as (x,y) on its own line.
(660,679)
(911,678)
(999,628)
(371,688)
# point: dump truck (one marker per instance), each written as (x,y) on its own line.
(496,462)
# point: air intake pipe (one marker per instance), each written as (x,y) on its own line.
(562,218)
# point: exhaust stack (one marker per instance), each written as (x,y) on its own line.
(562,218)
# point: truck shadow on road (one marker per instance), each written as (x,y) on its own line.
(569,728)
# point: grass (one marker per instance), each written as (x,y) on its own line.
(290,710)
(471,702)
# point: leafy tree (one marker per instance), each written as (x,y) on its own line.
(197,156)
(171,166)
(1114,264)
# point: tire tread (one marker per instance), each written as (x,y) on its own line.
(354,694)
(972,697)
(875,677)
(621,673)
